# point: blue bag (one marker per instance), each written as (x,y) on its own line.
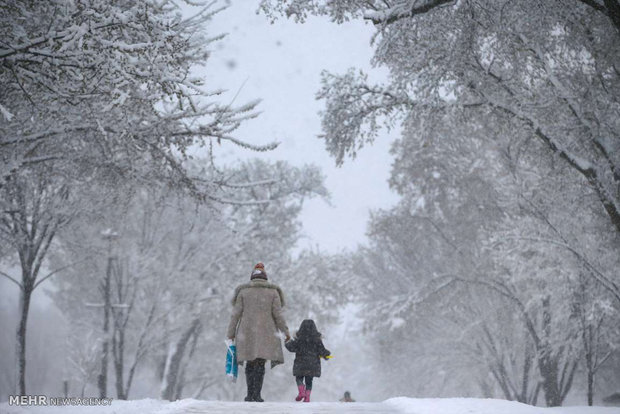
(231,360)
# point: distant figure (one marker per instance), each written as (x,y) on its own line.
(255,321)
(347,397)
(308,348)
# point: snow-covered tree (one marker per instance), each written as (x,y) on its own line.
(599,332)
(36,205)
(482,216)
(507,165)
(100,91)
(549,68)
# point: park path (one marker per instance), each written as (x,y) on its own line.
(398,405)
(216,407)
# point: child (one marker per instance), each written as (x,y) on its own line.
(308,348)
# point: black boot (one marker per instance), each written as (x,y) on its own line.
(249,380)
(259,374)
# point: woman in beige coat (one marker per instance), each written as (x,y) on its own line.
(255,322)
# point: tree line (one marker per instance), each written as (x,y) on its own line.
(496,272)
(102,118)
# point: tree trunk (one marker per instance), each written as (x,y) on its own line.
(547,363)
(587,338)
(178,393)
(528,396)
(173,364)
(140,351)
(118,346)
(103,376)
(24,307)
(557,375)
(534,399)
(181,378)
(590,387)
(549,373)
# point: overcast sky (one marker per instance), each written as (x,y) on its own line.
(281,63)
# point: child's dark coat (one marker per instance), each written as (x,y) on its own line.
(308,351)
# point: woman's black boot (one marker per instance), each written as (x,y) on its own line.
(249,380)
(259,374)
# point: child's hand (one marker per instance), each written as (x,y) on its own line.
(327,357)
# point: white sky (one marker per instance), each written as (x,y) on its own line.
(281,63)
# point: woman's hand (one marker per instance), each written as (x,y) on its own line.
(287,338)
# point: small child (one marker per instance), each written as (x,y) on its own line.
(308,348)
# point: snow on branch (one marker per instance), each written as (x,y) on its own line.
(405,10)
(579,163)
(117,78)
(353,111)
(246,185)
(233,202)
(603,279)
(5,113)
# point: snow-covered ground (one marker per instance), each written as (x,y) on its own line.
(394,405)
(484,406)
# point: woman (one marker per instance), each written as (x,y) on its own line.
(255,321)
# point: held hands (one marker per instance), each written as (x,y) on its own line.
(287,338)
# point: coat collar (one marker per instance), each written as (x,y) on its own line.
(258,283)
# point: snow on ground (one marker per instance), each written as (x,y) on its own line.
(400,405)
(483,406)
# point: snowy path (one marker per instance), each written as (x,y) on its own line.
(285,408)
(191,406)
(392,406)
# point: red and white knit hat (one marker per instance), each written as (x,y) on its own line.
(259,272)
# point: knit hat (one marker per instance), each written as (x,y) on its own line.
(259,272)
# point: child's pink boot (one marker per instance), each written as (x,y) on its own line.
(302,392)
(307,396)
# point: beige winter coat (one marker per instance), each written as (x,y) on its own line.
(255,321)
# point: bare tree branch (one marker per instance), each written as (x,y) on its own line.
(11,279)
